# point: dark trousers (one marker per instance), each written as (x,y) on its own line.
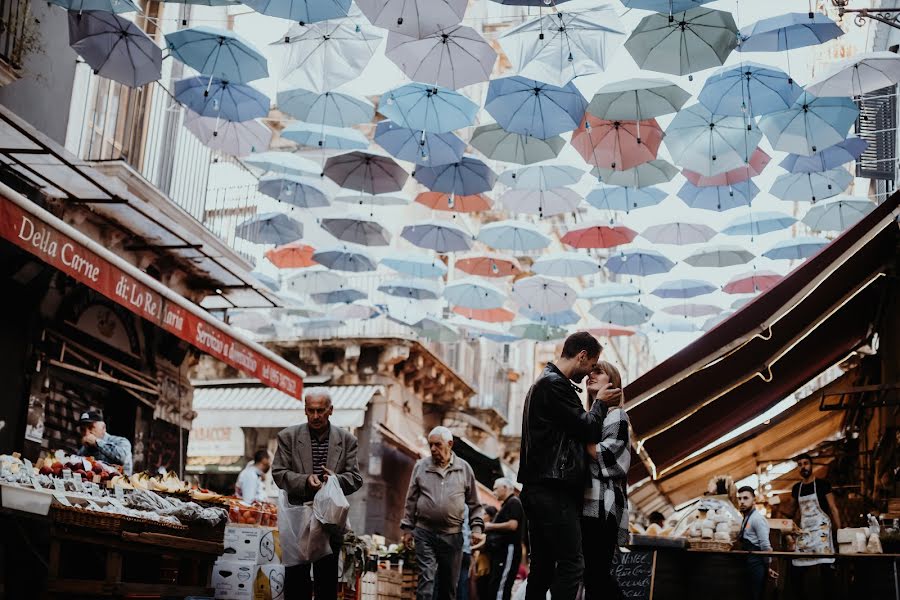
(504,568)
(462,588)
(815,582)
(756,573)
(297,584)
(600,543)
(439,557)
(554,529)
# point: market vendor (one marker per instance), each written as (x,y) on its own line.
(105,447)
(754,536)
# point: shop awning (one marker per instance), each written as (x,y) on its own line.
(488,469)
(811,320)
(408,447)
(34,230)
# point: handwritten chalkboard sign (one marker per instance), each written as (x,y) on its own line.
(634,572)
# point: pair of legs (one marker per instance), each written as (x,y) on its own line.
(297,583)
(600,544)
(504,568)
(439,557)
(554,530)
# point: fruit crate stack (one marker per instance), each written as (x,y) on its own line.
(389,583)
(410,581)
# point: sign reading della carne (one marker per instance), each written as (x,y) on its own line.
(50,244)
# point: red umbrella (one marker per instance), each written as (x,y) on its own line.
(599,236)
(488,315)
(610,330)
(758,162)
(617,145)
(295,255)
(752,282)
(489,265)
(454,203)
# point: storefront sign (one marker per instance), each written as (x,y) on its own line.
(215,441)
(61,251)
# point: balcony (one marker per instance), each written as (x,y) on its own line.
(17,34)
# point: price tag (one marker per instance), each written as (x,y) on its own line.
(67,474)
(120,493)
(79,486)
(87,465)
(62,499)
(59,485)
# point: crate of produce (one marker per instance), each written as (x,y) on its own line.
(390,582)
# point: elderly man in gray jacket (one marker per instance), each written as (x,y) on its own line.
(440,489)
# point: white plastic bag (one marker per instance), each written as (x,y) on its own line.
(331,506)
(303,540)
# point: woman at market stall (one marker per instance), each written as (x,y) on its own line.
(604,522)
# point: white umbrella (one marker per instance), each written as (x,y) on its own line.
(416,18)
(609,289)
(838,215)
(621,312)
(679,233)
(543,295)
(810,124)
(809,187)
(453,57)
(284,163)
(357,230)
(540,177)
(517,236)
(758,223)
(474,293)
(710,144)
(440,236)
(541,202)
(859,75)
(719,256)
(797,248)
(316,280)
(566,264)
(345,312)
(229,137)
(691,309)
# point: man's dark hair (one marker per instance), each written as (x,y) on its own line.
(746,488)
(657,517)
(802,456)
(259,455)
(578,341)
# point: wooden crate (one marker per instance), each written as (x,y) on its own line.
(390,583)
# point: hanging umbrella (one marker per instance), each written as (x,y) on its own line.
(325,136)
(303,192)
(203,2)
(217,53)
(229,137)
(270,228)
(295,255)
(416,18)
(598,235)
(838,215)
(343,296)
(534,108)
(543,203)
(827,158)
(329,108)
(560,46)
(432,149)
(413,289)
(719,256)
(644,175)
(440,236)
(694,40)
(752,282)
(710,144)
(436,330)
(809,124)
(672,325)
(489,265)
(427,108)
(355,229)
(541,177)
(617,144)
(861,74)
(557,319)
(787,32)
(517,236)
(798,248)
(692,310)
(344,258)
(809,187)
(758,223)
(464,178)
(610,289)
(640,262)
(110,6)
(498,144)
(284,163)
(316,280)
(539,332)
(749,89)
(366,172)
(321,56)
(452,57)
(348,312)
(621,312)
(718,197)
(221,99)
(376,200)
(758,162)
(488,315)
(713,321)
(543,295)
(679,233)
(474,293)
(741,302)
(608,330)
(416,265)
(613,198)
(566,264)
(302,11)
(454,203)
(637,99)
(684,288)
(115,47)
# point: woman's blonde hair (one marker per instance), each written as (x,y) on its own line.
(615,378)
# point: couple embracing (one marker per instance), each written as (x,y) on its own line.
(573,467)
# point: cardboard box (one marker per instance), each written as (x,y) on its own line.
(242,543)
(234,580)
(269,547)
(269,582)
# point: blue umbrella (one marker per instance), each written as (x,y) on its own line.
(270,228)
(796,248)
(788,31)
(557,319)
(342,296)
(540,332)
(299,191)
(517,236)
(420,147)
(665,6)
(474,293)
(534,108)
(827,158)
(438,235)
(809,187)
(718,197)
(612,197)
(541,177)
(414,289)
(621,312)
(610,289)
(344,258)
(302,11)
(428,108)
(416,265)
(641,262)
(759,223)
(331,108)
(464,178)
(269,282)
(221,99)
(325,136)
(684,288)
(218,53)
(749,89)
(810,124)
(112,6)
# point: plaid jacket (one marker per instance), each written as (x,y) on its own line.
(606,497)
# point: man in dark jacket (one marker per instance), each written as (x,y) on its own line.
(552,468)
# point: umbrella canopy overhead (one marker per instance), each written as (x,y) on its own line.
(270,228)
(640,262)
(115,47)
(451,57)
(416,265)
(229,137)
(684,288)
(533,108)
(295,255)
(218,53)
(719,256)
(498,144)
(517,236)
(420,147)
(466,177)
(650,173)
(718,197)
(566,264)
(758,223)
(679,233)
(598,235)
(827,158)
(637,99)
(710,144)
(615,198)
(429,108)
(543,295)
(758,161)
(838,215)
(543,203)
(328,108)
(810,124)
(859,75)
(414,18)
(221,99)
(355,229)
(303,192)
(749,89)
(302,11)
(621,312)
(787,32)
(810,187)
(344,258)
(798,248)
(617,145)
(366,172)
(489,265)
(474,293)
(440,236)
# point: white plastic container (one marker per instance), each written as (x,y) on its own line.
(26,499)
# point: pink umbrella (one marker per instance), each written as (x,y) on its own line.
(488,315)
(610,330)
(454,203)
(758,162)
(617,145)
(752,282)
(599,236)
(489,265)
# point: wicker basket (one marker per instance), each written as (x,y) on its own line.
(82,517)
(710,545)
(146,525)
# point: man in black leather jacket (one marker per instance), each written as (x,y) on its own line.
(553,468)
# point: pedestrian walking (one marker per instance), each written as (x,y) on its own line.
(440,489)
(251,483)
(504,540)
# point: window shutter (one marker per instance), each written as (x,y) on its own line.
(877,124)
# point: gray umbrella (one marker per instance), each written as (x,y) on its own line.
(453,58)
(229,137)
(357,230)
(637,99)
(366,172)
(498,144)
(270,228)
(115,48)
(650,173)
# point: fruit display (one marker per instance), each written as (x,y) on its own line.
(258,513)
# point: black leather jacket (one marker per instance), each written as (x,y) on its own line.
(555,429)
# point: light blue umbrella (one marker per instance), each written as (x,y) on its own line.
(538,332)
(611,197)
(269,282)
(654,172)
(413,289)
(438,235)
(464,178)
(534,108)
(758,223)
(112,6)
(203,2)
(709,143)
(517,236)
(330,108)
(797,248)
(304,192)
(610,289)
(787,32)
(673,325)
(810,187)
(217,53)
(719,256)
(498,144)
(827,158)
(474,293)
(270,228)
(302,11)
(810,124)
(416,265)
(837,215)
(749,89)
(325,136)
(679,233)
(343,296)
(436,330)
(621,312)
(428,108)
(420,147)
(718,197)
(566,264)
(284,163)
(221,99)
(640,262)
(541,177)
(683,288)
(665,6)
(344,258)
(562,318)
